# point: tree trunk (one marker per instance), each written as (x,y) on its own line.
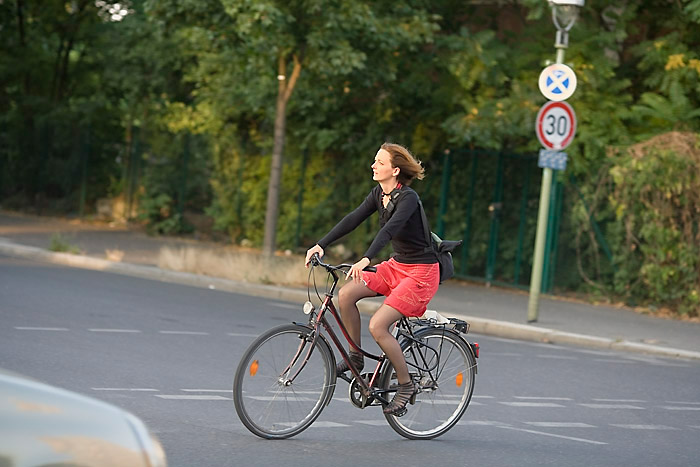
(284,91)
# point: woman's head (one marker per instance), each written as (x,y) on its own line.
(402,158)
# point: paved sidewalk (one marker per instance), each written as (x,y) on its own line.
(493,311)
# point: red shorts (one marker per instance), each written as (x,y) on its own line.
(407,287)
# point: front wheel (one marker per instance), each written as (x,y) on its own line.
(443,367)
(282,384)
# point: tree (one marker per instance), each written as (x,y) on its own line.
(322,40)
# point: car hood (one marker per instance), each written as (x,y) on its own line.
(41,424)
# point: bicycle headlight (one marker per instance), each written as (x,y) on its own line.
(308,308)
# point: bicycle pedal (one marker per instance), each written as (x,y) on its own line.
(401,413)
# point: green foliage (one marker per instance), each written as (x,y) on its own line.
(159,214)
(657,204)
(90,101)
(60,244)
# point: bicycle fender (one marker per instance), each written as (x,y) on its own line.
(321,340)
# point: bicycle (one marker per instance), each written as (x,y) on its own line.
(288,375)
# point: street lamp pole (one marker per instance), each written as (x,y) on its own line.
(564,13)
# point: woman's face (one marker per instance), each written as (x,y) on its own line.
(382,168)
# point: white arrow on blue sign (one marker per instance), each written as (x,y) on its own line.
(557,82)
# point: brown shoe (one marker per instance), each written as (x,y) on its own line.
(406,393)
(357,360)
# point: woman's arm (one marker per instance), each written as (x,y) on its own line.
(351,221)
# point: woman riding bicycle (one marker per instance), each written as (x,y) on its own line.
(409,280)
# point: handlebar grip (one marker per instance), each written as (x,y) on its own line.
(370,269)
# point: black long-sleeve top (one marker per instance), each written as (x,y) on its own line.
(404,227)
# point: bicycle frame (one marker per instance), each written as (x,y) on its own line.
(320,320)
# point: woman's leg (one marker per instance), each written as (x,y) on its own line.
(349,295)
(379,328)
(406,390)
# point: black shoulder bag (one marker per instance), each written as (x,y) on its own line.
(443,248)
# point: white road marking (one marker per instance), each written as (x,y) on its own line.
(531,404)
(193,333)
(672,407)
(697,427)
(240,334)
(621,400)
(281,398)
(428,401)
(656,361)
(560,424)
(681,402)
(612,406)
(115,330)
(558,357)
(193,397)
(544,398)
(30,328)
(289,306)
(481,423)
(613,360)
(589,352)
(372,422)
(125,389)
(644,427)
(325,424)
(483,397)
(207,390)
(316,424)
(570,438)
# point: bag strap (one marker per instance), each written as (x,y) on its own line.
(393,199)
(426,230)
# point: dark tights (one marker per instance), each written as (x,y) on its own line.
(379,325)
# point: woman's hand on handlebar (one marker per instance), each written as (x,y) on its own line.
(311,251)
(355,271)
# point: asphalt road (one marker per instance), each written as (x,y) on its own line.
(168,352)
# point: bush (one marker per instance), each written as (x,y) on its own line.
(61,245)
(656,197)
(159,214)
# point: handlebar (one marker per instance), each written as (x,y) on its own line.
(316,261)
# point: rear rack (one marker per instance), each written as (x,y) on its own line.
(458,325)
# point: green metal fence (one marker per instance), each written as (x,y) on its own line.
(490,200)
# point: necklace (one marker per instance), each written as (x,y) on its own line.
(398,186)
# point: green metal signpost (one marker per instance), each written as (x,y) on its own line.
(552,82)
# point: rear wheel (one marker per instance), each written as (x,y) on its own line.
(271,399)
(445,390)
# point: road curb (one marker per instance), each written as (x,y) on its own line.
(479,325)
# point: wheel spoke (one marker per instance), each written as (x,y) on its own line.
(446,389)
(268,403)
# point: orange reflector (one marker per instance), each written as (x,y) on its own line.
(459,379)
(253,368)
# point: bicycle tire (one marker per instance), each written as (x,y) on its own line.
(437,407)
(268,406)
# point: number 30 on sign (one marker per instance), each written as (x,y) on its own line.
(556,125)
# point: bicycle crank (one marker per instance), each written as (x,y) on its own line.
(358,395)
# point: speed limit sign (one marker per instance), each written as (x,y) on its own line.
(556,125)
